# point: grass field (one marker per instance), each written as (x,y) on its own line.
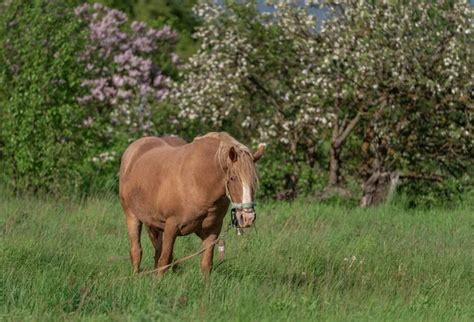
(306,262)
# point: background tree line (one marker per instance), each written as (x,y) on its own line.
(378,98)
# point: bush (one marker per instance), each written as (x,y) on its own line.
(128,73)
(76,88)
(42,141)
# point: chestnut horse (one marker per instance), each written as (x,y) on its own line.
(177,188)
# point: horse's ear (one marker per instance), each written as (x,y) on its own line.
(232,154)
(260,150)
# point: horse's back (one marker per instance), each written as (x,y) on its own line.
(141,146)
(174,141)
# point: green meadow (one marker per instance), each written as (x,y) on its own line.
(306,261)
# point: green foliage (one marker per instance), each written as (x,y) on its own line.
(436,194)
(42,143)
(308,262)
(50,142)
(156,13)
(276,171)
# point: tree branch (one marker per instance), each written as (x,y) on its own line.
(421,176)
(271,97)
(348,129)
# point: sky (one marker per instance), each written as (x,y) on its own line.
(263,6)
(319,13)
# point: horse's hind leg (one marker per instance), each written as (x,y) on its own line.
(134,233)
(156,237)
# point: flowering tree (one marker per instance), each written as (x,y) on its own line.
(407,70)
(395,76)
(122,61)
(248,76)
(74,88)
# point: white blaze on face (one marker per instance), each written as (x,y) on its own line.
(247,194)
(244,217)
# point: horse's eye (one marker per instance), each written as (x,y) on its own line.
(232,178)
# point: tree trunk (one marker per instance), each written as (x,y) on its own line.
(291,191)
(340,132)
(291,179)
(379,187)
(335,166)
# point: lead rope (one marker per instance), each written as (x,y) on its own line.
(218,241)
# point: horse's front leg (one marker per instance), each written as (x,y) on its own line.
(209,239)
(169,236)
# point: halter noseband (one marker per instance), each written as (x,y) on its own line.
(234,206)
(245,205)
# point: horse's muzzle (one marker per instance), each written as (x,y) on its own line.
(246,217)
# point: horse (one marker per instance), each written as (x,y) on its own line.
(177,188)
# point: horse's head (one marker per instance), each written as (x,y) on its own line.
(241,183)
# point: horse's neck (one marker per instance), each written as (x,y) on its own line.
(207,171)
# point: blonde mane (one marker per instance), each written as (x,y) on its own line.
(244,167)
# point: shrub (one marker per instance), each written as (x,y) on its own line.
(42,141)
(76,89)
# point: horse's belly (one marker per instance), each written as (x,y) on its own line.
(156,212)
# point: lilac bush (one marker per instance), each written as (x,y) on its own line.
(125,80)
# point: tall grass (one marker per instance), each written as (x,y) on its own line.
(68,260)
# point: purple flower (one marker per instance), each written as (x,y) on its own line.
(123,93)
(161,94)
(137,26)
(145,65)
(158,80)
(81,9)
(117,61)
(118,80)
(144,89)
(175,59)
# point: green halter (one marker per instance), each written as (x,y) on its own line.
(245,205)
